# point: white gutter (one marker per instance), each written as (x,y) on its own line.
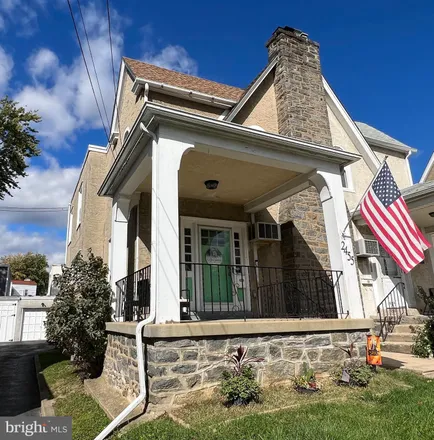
(410,176)
(140,360)
(184,93)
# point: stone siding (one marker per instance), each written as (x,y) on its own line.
(177,367)
(304,239)
(300,94)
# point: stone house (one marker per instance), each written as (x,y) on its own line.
(220,213)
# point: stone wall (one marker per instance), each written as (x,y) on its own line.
(177,367)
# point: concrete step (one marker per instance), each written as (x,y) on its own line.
(400,337)
(416,319)
(406,328)
(397,347)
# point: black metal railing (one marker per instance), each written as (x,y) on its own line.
(133,296)
(218,291)
(392,309)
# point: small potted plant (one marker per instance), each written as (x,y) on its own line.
(306,383)
(239,386)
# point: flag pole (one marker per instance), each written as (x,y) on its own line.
(364,194)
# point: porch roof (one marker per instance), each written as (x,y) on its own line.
(152,115)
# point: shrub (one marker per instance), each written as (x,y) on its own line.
(239,386)
(424,340)
(76,321)
(240,389)
(307,380)
(360,374)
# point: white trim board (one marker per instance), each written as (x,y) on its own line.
(427,169)
(251,90)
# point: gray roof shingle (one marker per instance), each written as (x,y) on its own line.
(374,134)
(418,189)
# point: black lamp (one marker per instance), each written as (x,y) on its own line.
(211,184)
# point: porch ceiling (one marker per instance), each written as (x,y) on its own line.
(239,181)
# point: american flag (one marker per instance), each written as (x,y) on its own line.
(388,217)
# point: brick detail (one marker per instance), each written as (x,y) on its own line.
(177,367)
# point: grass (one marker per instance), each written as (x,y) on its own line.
(88,419)
(395,405)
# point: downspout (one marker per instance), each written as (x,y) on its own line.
(140,357)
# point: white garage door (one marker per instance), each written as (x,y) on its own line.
(7,320)
(33,325)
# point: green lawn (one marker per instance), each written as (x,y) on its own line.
(396,405)
(88,419)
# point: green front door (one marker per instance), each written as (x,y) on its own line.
(215,252)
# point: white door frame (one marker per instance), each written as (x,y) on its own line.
(195,224)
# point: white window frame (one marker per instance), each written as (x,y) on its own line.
(79,205)
(349,179)
(70,221)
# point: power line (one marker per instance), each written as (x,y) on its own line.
(93,62)
(87,69)
(33,209)
(113,69)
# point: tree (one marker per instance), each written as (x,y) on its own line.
(76,321)
(17,142)
(30,265)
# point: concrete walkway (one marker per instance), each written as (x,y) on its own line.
(19,392)
(408,362)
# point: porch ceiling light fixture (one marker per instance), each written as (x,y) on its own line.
(431,214)
(211,184)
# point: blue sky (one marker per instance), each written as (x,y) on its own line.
(377,56)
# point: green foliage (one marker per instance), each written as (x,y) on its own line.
(306,380)
(76,321)
(30,265)
(424,340)
(17,143)
(240,389)
(360,373)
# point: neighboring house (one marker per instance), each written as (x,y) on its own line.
(239,198)
(24,287)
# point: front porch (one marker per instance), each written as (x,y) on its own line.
(223,291)
(210,259)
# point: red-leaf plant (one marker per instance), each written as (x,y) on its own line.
(240,360)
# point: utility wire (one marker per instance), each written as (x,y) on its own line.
(87,69)
(33,209)
(93,63)
(113,70)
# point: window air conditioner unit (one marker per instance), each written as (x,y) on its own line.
(367,248)
(265,232)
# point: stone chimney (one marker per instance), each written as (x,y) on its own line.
(300,95)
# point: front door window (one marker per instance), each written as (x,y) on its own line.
(215,253)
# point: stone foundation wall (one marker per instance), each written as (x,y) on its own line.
(176,367)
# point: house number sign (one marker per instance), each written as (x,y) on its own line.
(350,256)
(213,256)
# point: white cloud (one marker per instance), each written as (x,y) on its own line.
(22,241)
(22,15)
(43,63)
(62,92)
(6,66)
(43,187)
(174,58)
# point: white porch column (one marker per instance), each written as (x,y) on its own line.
(329,186)
(119,252)
(165,281)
